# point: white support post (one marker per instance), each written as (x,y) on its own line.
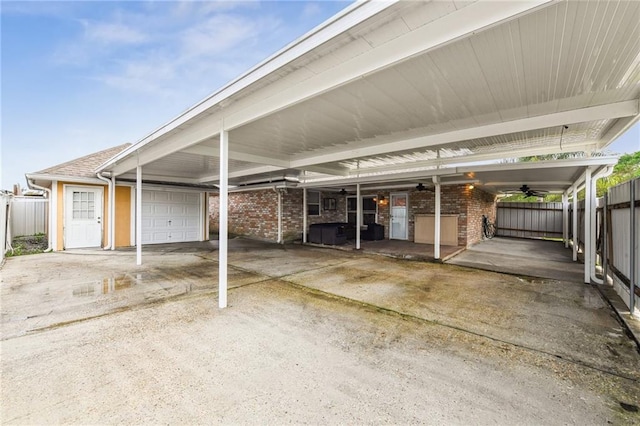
(304,215)
(358,215)
(588,246)
(53,216)
(207,224)
(632,250)
(605,239)
(112,215)
(279,216)
(139,215)
(575,224)
(224,213)
(436,235)
(565,218)
(594,232)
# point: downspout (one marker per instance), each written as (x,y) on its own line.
(109,198)
(592,220)
(32,184)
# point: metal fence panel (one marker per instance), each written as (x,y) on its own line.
(28,216)
(529,220)
(4,205)
(619,229)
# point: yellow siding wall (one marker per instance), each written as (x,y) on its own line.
(123,216)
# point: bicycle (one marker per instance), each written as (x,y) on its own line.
(488,228)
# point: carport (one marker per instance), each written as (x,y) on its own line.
(395,92)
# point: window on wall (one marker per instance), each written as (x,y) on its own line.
(83,205)
(313,203)
(369,210)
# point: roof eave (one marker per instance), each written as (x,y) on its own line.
(309,41)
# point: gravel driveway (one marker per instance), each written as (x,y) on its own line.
(311,336)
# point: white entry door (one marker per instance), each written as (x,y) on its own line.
(83,217)
(398,217)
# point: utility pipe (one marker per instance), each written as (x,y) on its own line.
(32,184)
(107,246)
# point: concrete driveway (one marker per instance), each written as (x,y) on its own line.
(311,336)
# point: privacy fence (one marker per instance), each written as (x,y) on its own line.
(21,216)
(28,216)
(619,237)
(529,220)
(617,232)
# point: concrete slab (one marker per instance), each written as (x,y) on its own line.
(533,258)
(346,337)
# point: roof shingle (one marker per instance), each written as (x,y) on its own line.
(84,166)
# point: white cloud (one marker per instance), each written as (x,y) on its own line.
(112,33)
(310,10)
(223,33)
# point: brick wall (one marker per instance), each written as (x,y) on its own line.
(452,201)
(479,203)
(254,213)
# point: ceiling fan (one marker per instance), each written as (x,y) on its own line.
(529,192)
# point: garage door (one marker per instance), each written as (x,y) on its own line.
(170,217)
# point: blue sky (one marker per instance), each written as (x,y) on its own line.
(79,77)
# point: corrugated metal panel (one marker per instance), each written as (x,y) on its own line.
(28,216)
(529,220)
(550,61)
(619,197)
(565,56)
(4,204)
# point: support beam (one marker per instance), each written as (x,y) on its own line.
(223,237)
(53,215)
(575,224)
(279,216)
(436,235)
(605,239)
(358,215)
(588,245)
(112,203)
(304,215)
(139,215)
(594,230)
(632,249)
(379,147)
(565,218)
(240,173)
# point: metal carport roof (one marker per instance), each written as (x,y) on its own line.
(387,89)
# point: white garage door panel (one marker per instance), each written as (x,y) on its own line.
(170,217)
